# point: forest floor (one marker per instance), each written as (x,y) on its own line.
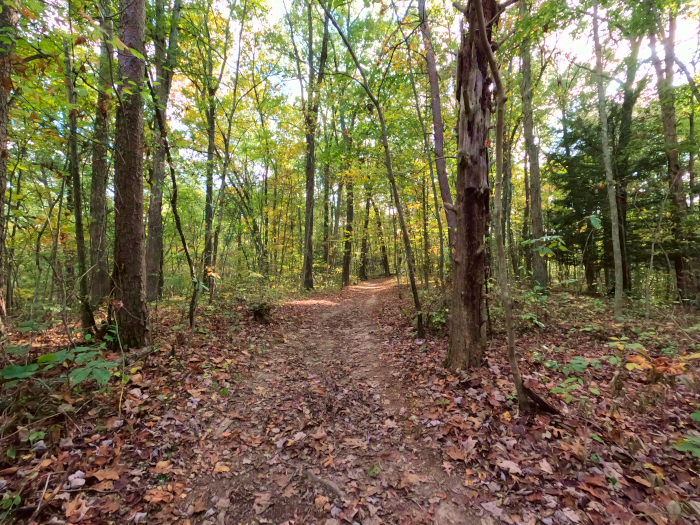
(334,413)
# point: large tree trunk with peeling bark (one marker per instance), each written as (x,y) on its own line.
(129,246)
(473,89)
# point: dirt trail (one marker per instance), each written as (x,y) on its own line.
(322,430)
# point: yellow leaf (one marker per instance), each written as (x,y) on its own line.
(136,369)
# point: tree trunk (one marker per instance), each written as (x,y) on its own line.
(467,323)
(87,320)
(607,160)
(164,63)
(365,234)
(523,400)
(527,252)
(539,263)
(666,94)
(390,176)
(438,132)
(326,214)
(380,236)
(129,249)
(100,167)
(8,28)
(310,121)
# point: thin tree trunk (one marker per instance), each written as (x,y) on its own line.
(666,94)
(129,249)
(607,160)
(390,176)
(100,167)
(87,320)
(526,219)
(382,243)
(438,133)
(326,214)
(310,121)
(523,400)
(539,263)
(365,234)
(8,28)
(164,60)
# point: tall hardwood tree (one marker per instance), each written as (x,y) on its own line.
(164,60)
(99,281)
(539,263)
(8,32)
(607,161)
(129,245)
(667,103)
(438,132)
(310,110)
(86,317)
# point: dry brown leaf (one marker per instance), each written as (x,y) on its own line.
(157,496)
(199,505)
(107,473)
(262,501)
(510,466)
(221,468)
(545,466)
(455,453)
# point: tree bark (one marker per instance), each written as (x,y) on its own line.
(164,60)
(607,160)
(129,247)
(99,283)
(310,121)
(666,94)
(523,400)
(8,31)
(473,91)
(539,263)
(382,243)
(438,131)
(365,239)
(86,318)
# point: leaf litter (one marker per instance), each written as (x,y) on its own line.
(334,414)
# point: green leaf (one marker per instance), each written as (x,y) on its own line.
(181,143)
(597,438)
(17,350)
(137,54)
(36,435)
(18,371)
(79,375)
(101,375)
(11,452)
(595,391)
(81,359)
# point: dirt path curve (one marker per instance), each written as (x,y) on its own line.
(322,430)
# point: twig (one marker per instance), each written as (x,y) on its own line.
(326,483)
(55,491)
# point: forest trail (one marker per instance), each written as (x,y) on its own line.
(337,439)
